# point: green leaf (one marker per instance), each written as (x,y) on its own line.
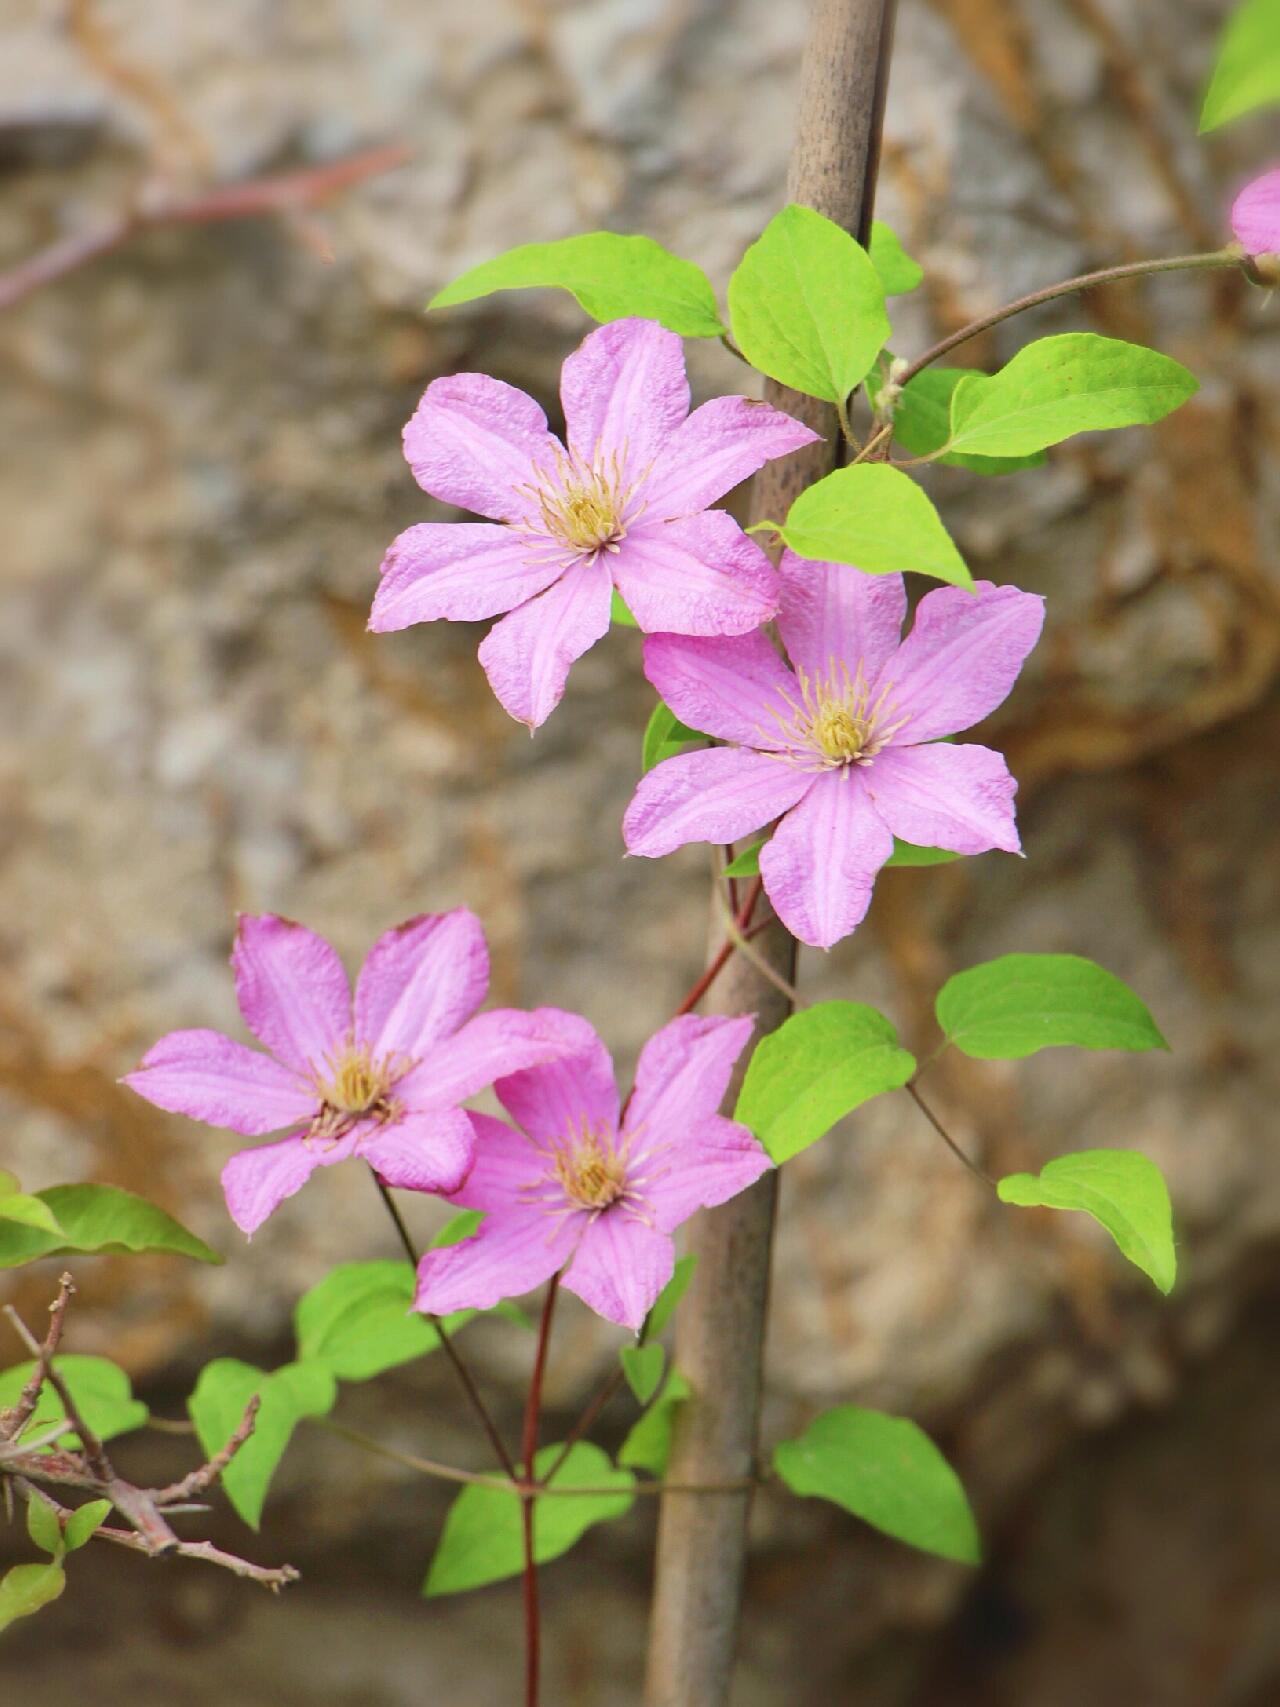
(922,421)
(877,519)
(643,1365)
(101,1219)
(482,1541)
(43,1526)
(359,1320)
(807,306)
(218,1405)
(457,1228)
(1247,72)
(1013,1006)
(746,863)
(609,275)
(648,1445)
(1121,1189)
(664,1306)
(26,1211)
(818,1066)
(101,1390)
(618,612)
(898,272)
(1075,383)
(664,736)
(84,1523)
(26,1588)
(886,1471)
(906,853)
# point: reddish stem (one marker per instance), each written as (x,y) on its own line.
(722,956)
(528,1500)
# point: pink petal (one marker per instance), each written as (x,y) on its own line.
(726,686)
(210,1077)
(681,1077)
(292,990)
(721,444)
(821,862)
(712,796)
(506,1165)
(560,1097)
(720,1160)
(461,571)
(511,1252)
(473,441)
(420,981)
(957,797)
(528,654)
(620,1267)
(960,660)
(431,1151)
(624,393)
(1255,214)
(832,615)
(489,1047)
(257,1181)
(700,575)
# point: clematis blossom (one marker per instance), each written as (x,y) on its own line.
(379,1078)
(593,1190)
(1255,222)
(621,503)
(843,746)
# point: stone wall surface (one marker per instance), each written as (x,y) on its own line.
(202,470)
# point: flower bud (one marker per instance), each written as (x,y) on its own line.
(1255,223)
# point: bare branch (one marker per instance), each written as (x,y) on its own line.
(203,1478)
(13,1421)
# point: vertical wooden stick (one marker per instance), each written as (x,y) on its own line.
(720,1340)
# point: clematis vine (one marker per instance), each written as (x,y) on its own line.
(844,747)
(379,1078)
(621,503)
(594,1191)
(1255,223)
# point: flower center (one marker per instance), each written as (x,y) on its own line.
(581,504)
(353,1086)
(834,722)
(590,1172)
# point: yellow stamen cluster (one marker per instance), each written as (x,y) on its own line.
(835,722)
(590,1172)
(582,505)
(352,1087)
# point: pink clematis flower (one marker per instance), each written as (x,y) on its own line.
(622,503)
(1255,217)
(593,1191)
(840,748)
(380,1080)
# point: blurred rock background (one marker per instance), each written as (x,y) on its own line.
(201,471)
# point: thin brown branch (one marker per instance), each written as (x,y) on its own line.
(13,1421)
(203,1478)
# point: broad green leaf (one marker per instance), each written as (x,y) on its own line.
(618,612)
(482,1541)
(1013,1006)
(817,1067)
(648,1445)
(610,276)
(906,853)
(1121,1189)
(746,863)
(643,1365)
(218,1405)
(886,1471)
(101,1390)
(359,1321)
(807,306)
(877,519)
(26,1588)
(43,1526)
(1077,382)
(665,736)
(1247,72)
(665,1304)
(922,421)
(84,1523)
(898,272)
(101,1219)
(457,1228)
(26,1211)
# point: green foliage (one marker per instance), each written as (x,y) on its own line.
(102,1219)
(922,421)
(1121,1189)
(664,736)
(665,1304)
(218,1404)
(886,1471)
(643,1365)
(807,305)
(610,276)
(648,1445)
(1247,72)
(746,863)
(84,1523)
(101,1390)
(26,1588)
(26,1211)
(618,611)
(878,520)
(1075,383)
(482,1540)
(1020,1003)
(818,1066)
(43,1526)
(898,272)
(907,853)
(359,1320)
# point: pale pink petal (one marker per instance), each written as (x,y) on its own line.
(257,1181)
(1255,215)
(506,1166)
(624,393)
(509,1254)
(461,571)
(561,1097)
(699,575)
(423,1151)
(730,686)
(721,444)
(210,1077)
(960,660)
(717,795)
(948,796)
(504,1041)
(720,1159)
(527,656)
(681,1077)
(292,990)
(619,1268)
(821,862)
(833,617)
(473,441)
(420,981)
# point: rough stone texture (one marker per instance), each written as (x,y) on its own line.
(203,470)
